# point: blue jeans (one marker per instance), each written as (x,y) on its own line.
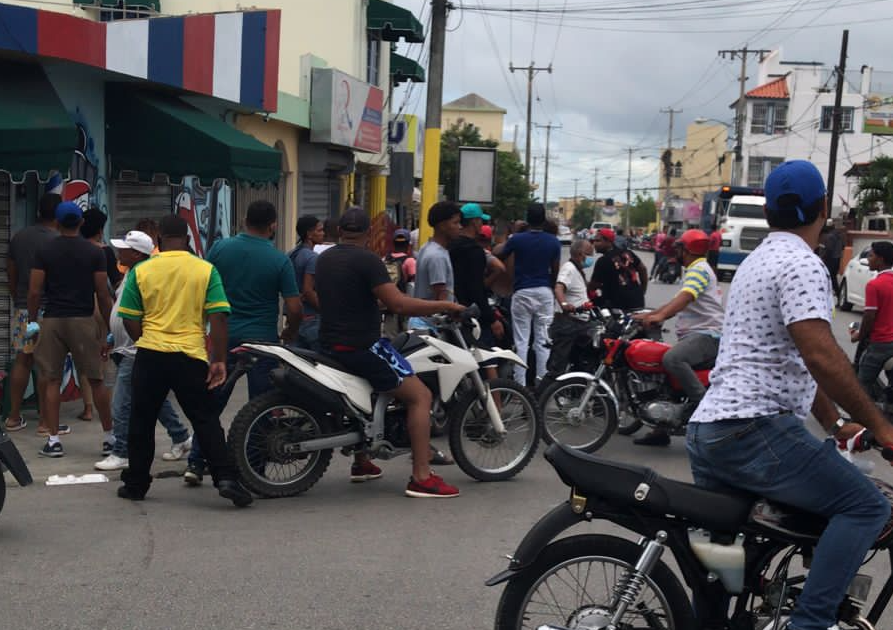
(777,458)
(308,334)
(121,409)
(258,383)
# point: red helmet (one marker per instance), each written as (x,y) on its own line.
(695,242)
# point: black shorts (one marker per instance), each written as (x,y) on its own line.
(381,364)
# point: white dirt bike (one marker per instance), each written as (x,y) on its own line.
(283,440)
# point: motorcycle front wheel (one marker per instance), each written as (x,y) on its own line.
(259,437)
(574,584)
(566,422)
(482,453)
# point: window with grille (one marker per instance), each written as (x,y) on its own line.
(769,118)
(846,119)
(373,59)
(677,169)
(758,169)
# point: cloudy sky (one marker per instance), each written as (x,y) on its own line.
(616,63)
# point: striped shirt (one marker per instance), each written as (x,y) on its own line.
(705,314)
(172,294)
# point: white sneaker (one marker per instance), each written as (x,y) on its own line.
(112,462)
(178,450)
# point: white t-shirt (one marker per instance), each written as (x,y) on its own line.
(574,289)
(759,371)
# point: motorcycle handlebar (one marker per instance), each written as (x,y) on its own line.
(865,440)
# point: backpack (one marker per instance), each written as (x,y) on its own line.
(395,270)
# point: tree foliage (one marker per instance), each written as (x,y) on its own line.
(511,188)
(875,188)
(583,215)
(642,211)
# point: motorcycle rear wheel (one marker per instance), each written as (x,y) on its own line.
(555,589)
(589,430)
(478,450)
(258,435)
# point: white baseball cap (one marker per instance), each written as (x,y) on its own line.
(139,241)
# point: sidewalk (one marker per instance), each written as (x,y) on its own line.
(83,445)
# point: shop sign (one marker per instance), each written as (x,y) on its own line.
(878,118)
(345,111)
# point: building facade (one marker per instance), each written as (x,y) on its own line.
(475,110)
(703,165)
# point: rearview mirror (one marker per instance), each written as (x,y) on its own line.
(863,262)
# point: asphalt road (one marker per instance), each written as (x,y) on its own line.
(341,556)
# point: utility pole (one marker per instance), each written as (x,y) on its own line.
(669,163)
(431,169)
(741,109)
(531,72)
(548,129)
(629,176)
(576,179)
(594,184)
(533,179)
(835,129)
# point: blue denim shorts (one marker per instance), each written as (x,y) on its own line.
(381,364)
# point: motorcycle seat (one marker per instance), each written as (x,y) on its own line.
(642,488)
(317,357)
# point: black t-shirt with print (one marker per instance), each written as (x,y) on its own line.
(616,271)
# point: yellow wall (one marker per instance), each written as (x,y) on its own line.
(704,145)
(285,138)
(490,123)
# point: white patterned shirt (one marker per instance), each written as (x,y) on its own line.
(759,371)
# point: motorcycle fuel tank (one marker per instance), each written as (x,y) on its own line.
(644,355)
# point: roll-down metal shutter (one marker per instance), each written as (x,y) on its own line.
(5,300)
(139,200)
(319,195)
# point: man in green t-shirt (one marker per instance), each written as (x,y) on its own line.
(165,305)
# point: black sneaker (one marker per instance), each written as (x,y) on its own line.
(193,475)
(128,493)
(52,450)
(234,491)
(107,447)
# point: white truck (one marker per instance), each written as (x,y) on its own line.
(743,225)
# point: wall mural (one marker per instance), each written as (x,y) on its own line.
(207,210)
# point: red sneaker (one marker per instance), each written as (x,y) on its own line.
(367,471)
(433,487)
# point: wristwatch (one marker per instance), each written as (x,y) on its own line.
(837,427)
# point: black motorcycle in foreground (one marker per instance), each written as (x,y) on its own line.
(724,545)
(11,460)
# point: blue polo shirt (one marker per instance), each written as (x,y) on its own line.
(254,275)
(535,252)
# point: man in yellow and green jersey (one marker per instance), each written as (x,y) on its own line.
(166,304)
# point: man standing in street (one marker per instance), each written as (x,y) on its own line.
(22,250)
(570,293)
(832,250)
(620,276)
(536,257)
(71,273)
(698,329)
(778,361)
(166,303)
(434,271)
(351,282)
(876,329)
(401,266)
(469,262)
(133,249)
(254,274)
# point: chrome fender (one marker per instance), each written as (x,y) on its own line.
(605,392)
(484,355)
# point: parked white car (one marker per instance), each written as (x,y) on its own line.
(852,284)
(565,235)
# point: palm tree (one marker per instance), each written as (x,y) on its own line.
(875,188)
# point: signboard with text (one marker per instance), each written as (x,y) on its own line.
(878,115)
(477,175)
(345,111)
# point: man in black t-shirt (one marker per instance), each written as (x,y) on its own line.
(619,274)
(350,281)
(70,273)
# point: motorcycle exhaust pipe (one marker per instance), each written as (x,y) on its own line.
(325,443)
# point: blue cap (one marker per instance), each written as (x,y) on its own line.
(68,213)
(473,211)
(796,177)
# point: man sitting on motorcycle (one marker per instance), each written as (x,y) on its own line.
(569,326)
(350,281)
(778,360)
(699,306)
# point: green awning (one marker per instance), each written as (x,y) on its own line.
(393,22)
(151,133)
(405,69)
(36,133)
(131,4)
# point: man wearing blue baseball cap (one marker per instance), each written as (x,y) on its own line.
(71,273)
(778,361)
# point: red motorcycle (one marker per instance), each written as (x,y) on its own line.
(628,388)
